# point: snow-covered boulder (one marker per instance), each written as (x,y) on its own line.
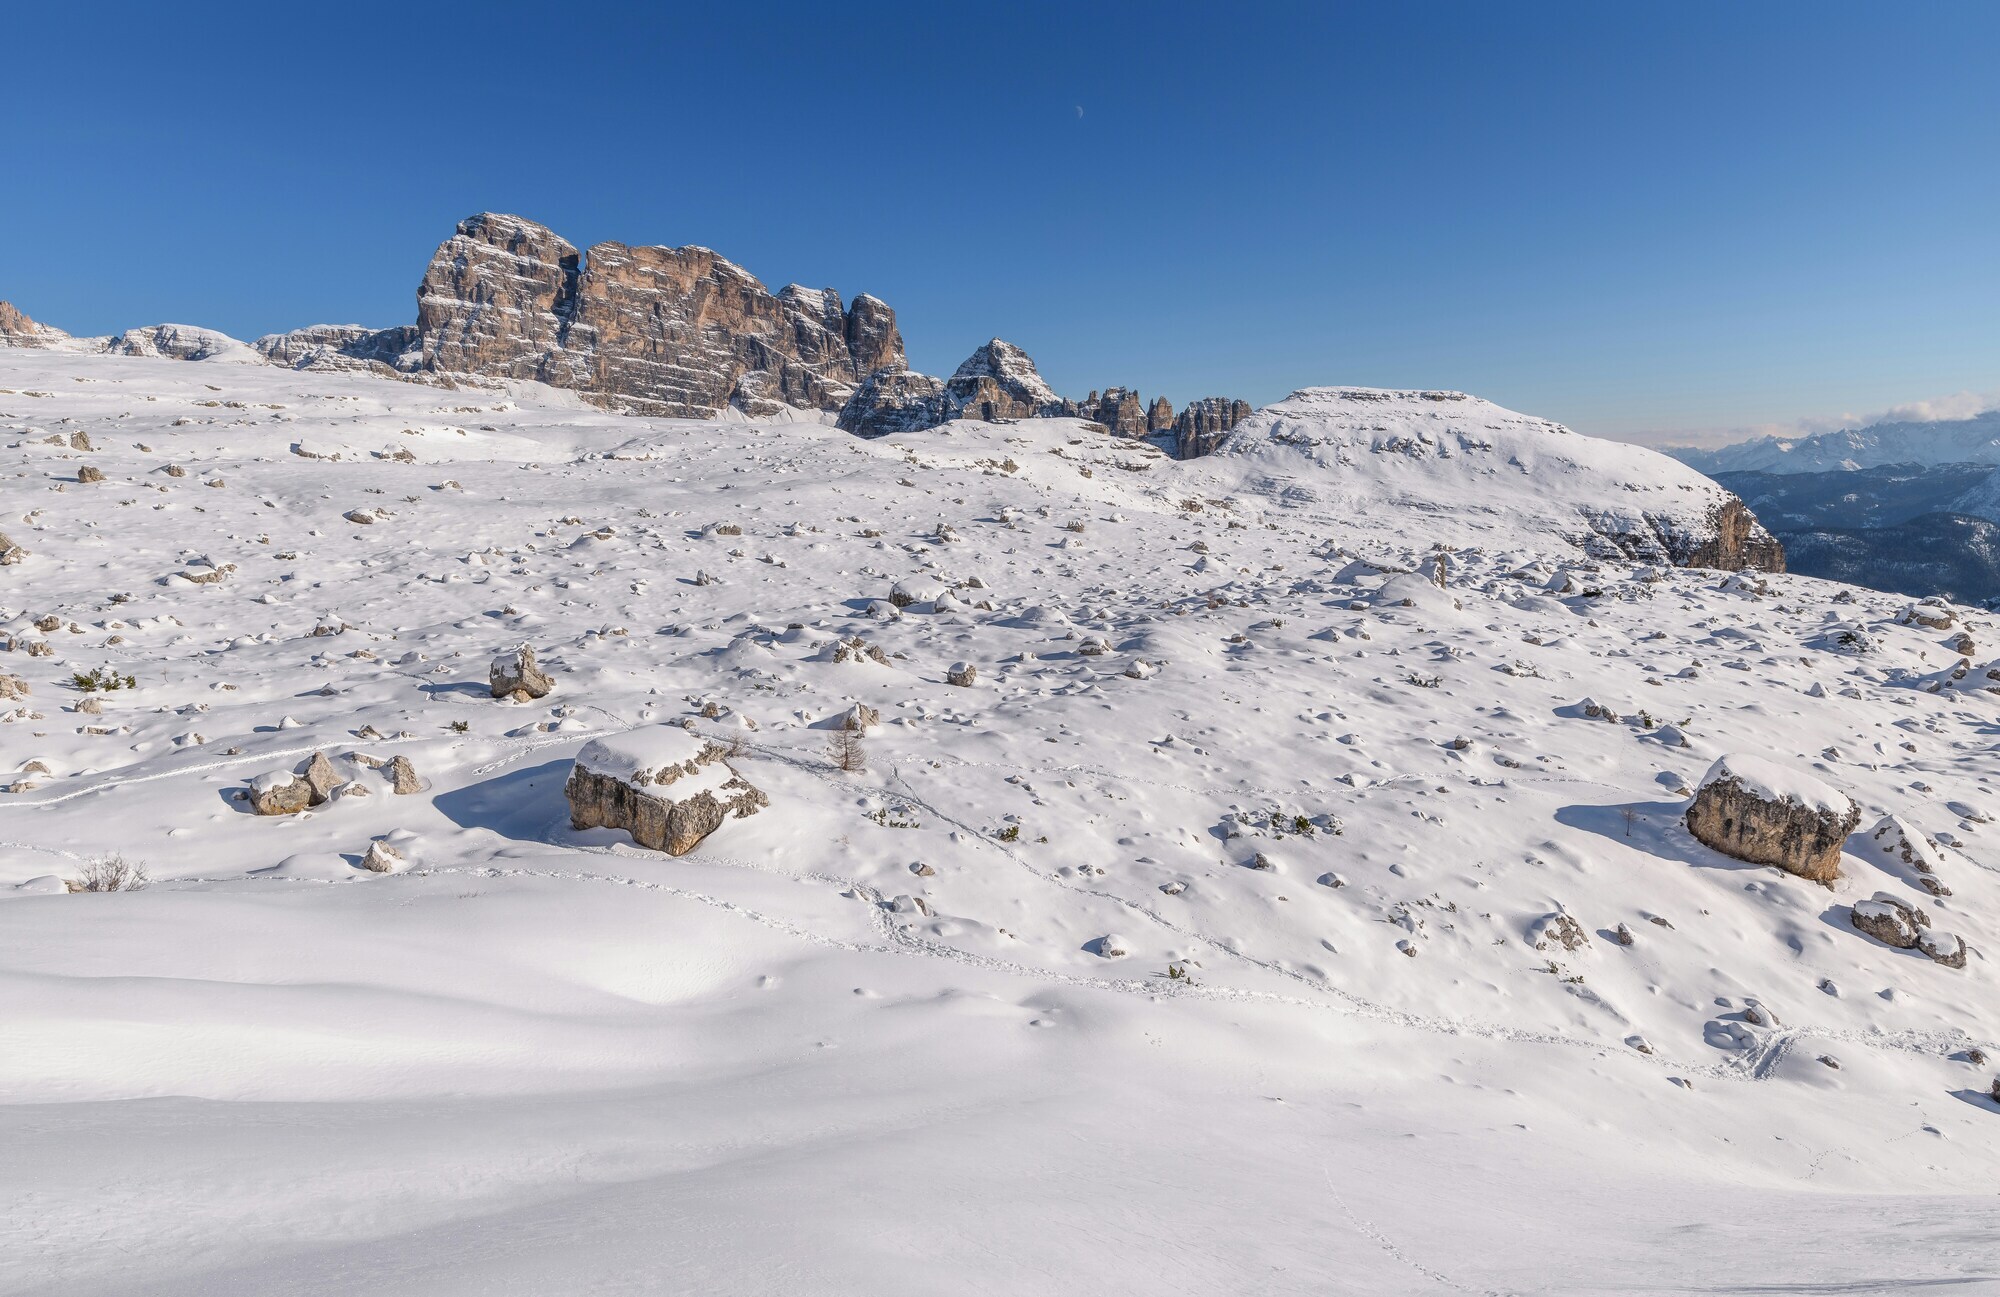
(1943,947)
(1890,920)
(1931,614)
(1757,810)
(667,787)
(516,675)
(280,792)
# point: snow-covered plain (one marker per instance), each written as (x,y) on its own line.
(541,1061)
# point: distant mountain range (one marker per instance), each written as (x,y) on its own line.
(1907,507)
(1941,441)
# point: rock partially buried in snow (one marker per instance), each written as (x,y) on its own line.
(381,858)
(1943,947)
(1757,810)
(1895,838)
(1890,920)
(322,779)
(962,674)
(516,675)
(403,776)
(666,787)
(280,792)
(1557,929)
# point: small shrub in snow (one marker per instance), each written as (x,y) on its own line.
(112,873)
(99,678)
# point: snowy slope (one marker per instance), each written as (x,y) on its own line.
(1943,441)
(1465,471)
(1221,725)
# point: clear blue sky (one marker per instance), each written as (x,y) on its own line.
(1634,218)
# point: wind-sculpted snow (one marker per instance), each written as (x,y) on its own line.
(1361,741)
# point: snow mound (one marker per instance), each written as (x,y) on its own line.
(1466,471)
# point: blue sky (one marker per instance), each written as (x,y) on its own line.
(1653,221)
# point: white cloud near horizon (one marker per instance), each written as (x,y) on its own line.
(1957,405)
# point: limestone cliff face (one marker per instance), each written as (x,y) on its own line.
(17,330)
(1204,423)
(1119,409)
(654,330)
(1737,541)
(892,400)
(998,381)
(495,301)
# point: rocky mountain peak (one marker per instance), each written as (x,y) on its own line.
(655,330)
(17,330)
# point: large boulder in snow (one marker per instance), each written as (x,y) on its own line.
(667,787)
(280,792)
(516,675)
(1757,810)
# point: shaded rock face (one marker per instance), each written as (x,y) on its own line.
(1119,409)
(669,790)
(1206,422)
(654,330)
(1798,839)
(351,347)
(891,401)
(999,381)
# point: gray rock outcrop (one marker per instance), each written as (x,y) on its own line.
(516,675)
(280,793)
(892,401)
(665,786)
(1204,423)
(1118,409)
